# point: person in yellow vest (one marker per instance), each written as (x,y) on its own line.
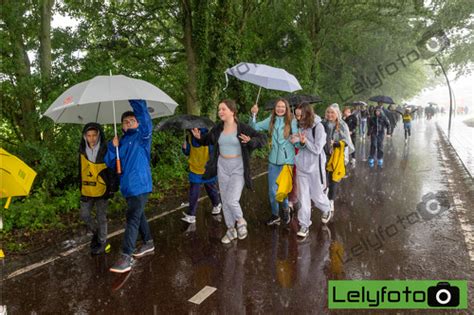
(407,117)
(98,183)
(198,157)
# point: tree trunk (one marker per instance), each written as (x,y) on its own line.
(45,47)
(192,102)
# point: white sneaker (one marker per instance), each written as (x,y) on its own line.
(229,236)
(217,209)
(303,232)
(353,161)
(189,218)
(326,217)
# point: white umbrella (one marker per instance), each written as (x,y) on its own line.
(93,100)
(264,76)
(104,99)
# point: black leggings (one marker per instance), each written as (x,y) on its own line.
(332,186)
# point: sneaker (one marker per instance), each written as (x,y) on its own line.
(371,162)
(303,232)
(217,209)
(123,264)
(353,161)
(189,218)
(274,219)
(146,247)
(229,236)
(326,217)
(242,231)
(99,249)
(286,216)
(380,162)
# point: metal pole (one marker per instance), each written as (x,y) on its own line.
(450,97)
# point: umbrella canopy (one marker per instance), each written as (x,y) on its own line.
(265,76)
(358,103)
(17,177)
(92,100)
(294,100)
(185,122)
(382,99)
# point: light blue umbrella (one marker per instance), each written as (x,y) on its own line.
(264,76)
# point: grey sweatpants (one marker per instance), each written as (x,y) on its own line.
(310,189)
(97,225)
(230,174)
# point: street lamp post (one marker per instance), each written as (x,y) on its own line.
(450,97)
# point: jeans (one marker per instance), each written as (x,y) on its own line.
(407,127)
(273,172)
(363,127)
(376,144)
(136,223)
(97,225)
(195,189)
(353,139)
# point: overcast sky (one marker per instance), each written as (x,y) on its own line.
(462,89)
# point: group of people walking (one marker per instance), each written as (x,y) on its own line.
(307,161)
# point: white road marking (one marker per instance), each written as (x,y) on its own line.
(202,295)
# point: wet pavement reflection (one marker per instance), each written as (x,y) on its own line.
(374,235)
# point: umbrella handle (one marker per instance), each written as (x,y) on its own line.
(7,204)
(258,95)
(117,161)
(119,166)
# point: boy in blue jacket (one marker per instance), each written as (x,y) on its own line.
(135,180)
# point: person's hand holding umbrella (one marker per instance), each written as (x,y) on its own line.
(254,111)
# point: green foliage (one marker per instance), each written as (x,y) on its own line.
(39,211)
(169,164)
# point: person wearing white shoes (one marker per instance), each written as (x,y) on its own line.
(198,155)
(311,164)
(233,144)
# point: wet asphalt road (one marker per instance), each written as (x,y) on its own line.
(272,271)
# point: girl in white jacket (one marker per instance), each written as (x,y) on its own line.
(311,162)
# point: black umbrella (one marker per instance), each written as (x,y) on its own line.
(358,103)
(382,99)
(185,122)
(294,100)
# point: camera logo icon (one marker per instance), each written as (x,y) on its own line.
(433,204)
(431,43)
(443,295)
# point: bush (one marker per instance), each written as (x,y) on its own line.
(39,211)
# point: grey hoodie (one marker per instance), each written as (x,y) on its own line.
(311,157)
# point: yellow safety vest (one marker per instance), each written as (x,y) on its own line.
(198,158)
(93,185)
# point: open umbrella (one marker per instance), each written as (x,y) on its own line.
(185,122)
(382,99)
(104,99)
(359,103)
(295,99)
(264,76)
(16,178)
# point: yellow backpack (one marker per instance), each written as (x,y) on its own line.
(93,185)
